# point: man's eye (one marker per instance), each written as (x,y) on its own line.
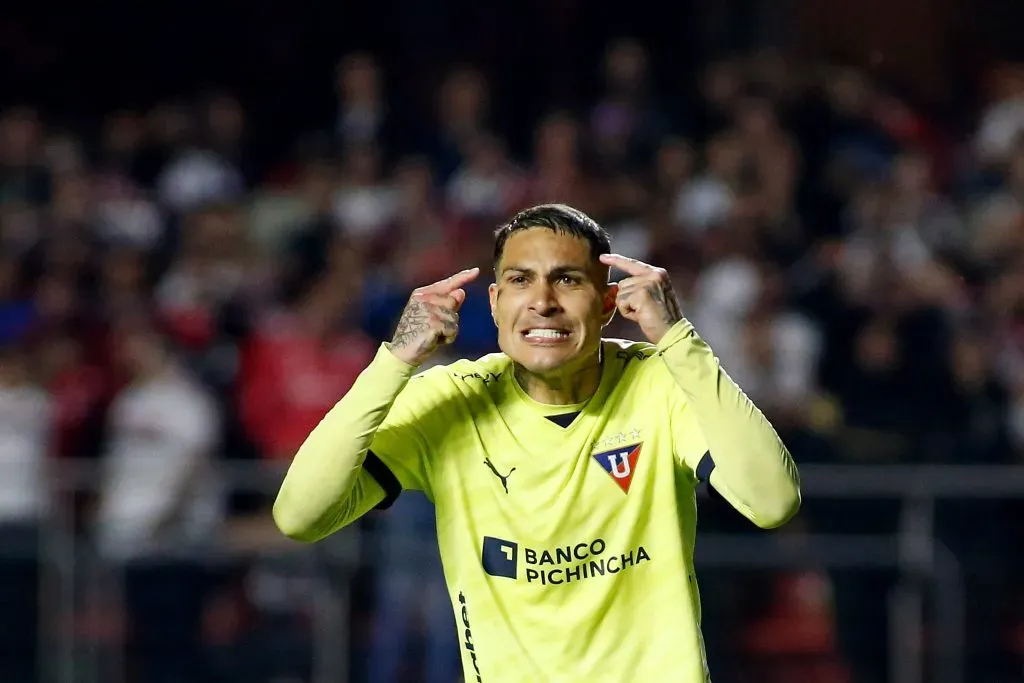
(517,279)
(569,280)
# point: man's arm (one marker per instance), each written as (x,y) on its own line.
(746,460)
(323,490)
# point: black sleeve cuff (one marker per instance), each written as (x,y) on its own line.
(704,468)
(376,468)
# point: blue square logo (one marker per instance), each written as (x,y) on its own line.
(500,557)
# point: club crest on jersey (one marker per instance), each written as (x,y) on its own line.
(620,463)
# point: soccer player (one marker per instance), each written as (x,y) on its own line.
(562,469)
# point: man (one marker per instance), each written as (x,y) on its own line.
(160,505)
(26,438)
(563,469)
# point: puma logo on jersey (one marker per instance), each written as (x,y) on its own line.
(620,463)
(502,478)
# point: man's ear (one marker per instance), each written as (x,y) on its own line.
(608,305)
(492,297)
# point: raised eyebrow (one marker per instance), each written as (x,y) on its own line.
(574,272)
(555,272)
(514,269)
(568,270)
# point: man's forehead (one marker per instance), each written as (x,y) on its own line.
(541,247)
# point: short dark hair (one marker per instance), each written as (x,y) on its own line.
(560,218)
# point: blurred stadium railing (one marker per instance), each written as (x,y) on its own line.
(86,650)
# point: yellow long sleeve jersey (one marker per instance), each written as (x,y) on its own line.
(566,532)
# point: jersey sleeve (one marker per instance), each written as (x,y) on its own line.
(688,442)
(400,453)
(723,437)
(335,476)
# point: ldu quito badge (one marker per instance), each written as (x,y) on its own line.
(620,463)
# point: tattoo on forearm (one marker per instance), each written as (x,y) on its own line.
(414,322)
(665,298)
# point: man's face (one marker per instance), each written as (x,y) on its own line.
(550,301)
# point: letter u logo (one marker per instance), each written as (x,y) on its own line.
(620,464)
(622,468)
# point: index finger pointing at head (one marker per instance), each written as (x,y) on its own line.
(625,264)
(450,284)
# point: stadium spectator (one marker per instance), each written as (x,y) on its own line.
(160,503)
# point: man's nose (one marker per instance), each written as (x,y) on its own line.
(543,301)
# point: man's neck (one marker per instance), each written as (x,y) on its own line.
(561,388)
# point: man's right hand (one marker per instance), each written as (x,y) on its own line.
(431,318)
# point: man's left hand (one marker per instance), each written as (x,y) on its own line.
(646,297)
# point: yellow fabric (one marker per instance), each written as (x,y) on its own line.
(568,552)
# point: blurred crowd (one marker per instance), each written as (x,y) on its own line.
(168,302)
